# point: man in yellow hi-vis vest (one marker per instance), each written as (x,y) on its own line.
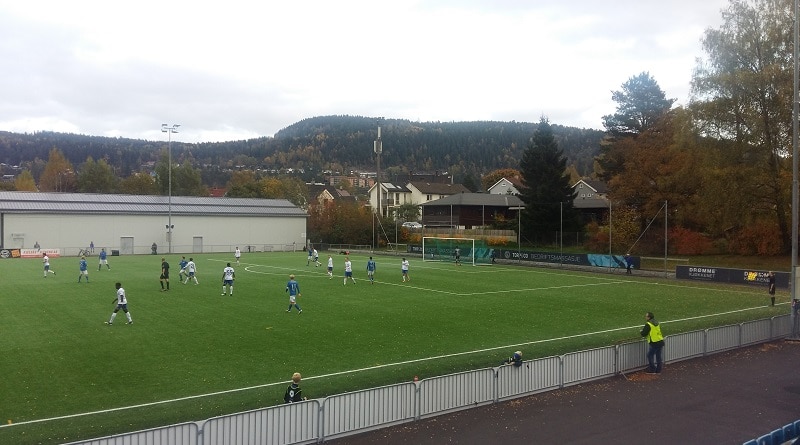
(652,331)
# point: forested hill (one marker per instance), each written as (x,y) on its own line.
(339,143)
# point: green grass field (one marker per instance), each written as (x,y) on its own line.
(192,354)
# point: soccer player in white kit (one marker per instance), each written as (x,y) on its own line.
(348,270)
(191,270)
(227,278)
(46,262)
(122,303)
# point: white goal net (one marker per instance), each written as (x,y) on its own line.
(463,250)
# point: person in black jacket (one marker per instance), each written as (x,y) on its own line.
(293,392)
(771,278)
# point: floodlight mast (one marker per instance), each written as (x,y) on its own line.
(169,129)
(795,198)
(378,147)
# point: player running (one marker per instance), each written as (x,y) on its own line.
(46,263)
(182,271)
(316,258)
(191,270)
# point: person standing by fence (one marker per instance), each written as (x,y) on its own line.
(293,392)
(655,339)
(771,290)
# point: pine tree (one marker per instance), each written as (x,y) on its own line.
(547,193)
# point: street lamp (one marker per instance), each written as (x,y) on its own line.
(165,128)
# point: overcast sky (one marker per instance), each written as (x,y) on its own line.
(241,69)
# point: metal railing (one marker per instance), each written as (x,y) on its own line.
(315,421)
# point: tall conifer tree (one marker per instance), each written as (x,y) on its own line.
(547,193)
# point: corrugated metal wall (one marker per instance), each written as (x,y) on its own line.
(588,365)
(352,413)
(286,424)
(722,338)
(755,331)
(685,346)
(368,409)
(439,395)
(632,355)
(184,434)
(534,376)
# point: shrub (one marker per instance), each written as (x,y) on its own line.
(757,239)
(597,237)
(688,242)
(497,241)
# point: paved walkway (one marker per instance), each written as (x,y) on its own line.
(725,398)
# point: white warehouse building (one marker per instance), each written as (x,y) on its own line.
(131,224)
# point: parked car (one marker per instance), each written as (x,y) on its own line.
(412,225)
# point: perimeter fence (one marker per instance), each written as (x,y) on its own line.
(318,420)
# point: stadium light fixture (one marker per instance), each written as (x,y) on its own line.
(169,129)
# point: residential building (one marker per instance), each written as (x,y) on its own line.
(506,186)
(468,210)
(591,200)
(394,196)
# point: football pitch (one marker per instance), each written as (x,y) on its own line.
(192,354)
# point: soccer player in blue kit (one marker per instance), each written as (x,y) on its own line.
(293,287)
(371,270)
(83,270)
(103,259)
